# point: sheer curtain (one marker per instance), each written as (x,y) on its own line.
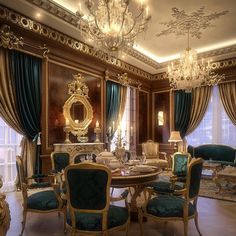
(127,122)
(9,148)
(215,127)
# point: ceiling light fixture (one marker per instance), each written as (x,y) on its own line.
(112,25)
(189,73)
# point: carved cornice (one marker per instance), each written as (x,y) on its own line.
(215,66)
(63,39)
(124,80)
(8,39)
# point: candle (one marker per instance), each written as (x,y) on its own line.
(113,125)
(80,10)
(77,121)
(67,121)
(97,124)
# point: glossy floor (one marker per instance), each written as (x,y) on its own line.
(216,218)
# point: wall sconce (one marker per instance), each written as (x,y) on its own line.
(160,118)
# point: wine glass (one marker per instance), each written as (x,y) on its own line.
(143,158)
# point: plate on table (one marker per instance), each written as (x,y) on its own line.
(142,168)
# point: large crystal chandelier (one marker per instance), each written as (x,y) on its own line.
(189,73)
(112,25)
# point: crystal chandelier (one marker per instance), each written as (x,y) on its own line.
(189,73)
(111,24)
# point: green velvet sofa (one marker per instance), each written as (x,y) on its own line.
(216,153)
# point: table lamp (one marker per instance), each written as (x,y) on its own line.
(175,138)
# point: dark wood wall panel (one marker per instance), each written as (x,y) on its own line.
(161,103)
(58,78)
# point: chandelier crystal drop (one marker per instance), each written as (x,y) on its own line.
(111,24)
(189,73)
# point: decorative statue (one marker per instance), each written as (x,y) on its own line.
(4,213)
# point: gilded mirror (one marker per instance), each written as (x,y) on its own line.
(77,110)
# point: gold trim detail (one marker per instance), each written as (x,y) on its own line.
(47,32)
(8,39)
(78,92)
(215,66)
(126,81)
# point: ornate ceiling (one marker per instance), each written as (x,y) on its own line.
(151,52)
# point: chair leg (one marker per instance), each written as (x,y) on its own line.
(185,227)
(196,223)
(140,219)
(112,190)
(127,228)
(23,222)
(64,212)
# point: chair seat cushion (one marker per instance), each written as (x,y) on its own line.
(43,201)
(168,206)
(165,187)
(93,222)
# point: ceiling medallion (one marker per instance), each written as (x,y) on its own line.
(112,25)
(189,73)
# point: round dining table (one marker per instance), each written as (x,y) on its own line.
(137,180)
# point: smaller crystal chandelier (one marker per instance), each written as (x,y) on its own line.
(189,73)
(112,25)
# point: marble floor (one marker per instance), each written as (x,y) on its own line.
(216,218)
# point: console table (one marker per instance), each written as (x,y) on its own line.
(76,148)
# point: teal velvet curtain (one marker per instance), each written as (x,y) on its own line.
(26,77)
(112,104)
(182,111)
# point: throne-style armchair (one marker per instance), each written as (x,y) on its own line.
(153,156)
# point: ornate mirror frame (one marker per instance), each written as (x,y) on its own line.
(78,92)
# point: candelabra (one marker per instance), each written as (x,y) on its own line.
(67,130)
(97,131)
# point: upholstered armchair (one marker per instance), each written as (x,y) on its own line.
(59,160)
(42,201)
(153,156)
(88,199)
(177,178)
(171,207)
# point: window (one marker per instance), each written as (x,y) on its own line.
(127,129)
(215,127)
(9,148)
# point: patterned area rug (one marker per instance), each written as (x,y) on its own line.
(209,189)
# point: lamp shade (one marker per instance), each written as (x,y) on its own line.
(175,137)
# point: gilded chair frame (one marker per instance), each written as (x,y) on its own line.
(25,187)
(174,178)
(185,193)
(105,231)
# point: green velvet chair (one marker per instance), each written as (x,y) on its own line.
(178,176)
(172,208)
(88,198)
(42,201)
(59,160)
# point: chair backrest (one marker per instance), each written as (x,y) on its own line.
(150,149)
(180,163)
(84,156)
(88,187)
(60,160)
(194,177)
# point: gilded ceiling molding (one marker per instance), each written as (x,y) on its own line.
(192,23)
(47,32)
(126,81)
(8,39)
(215,66)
